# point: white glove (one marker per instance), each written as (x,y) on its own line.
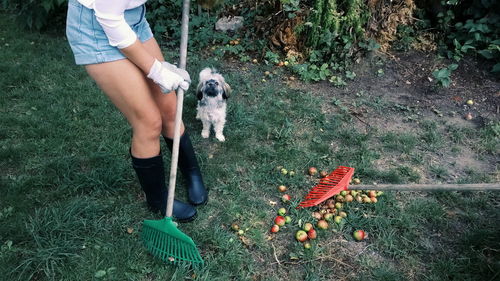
(183,73)
(166,79)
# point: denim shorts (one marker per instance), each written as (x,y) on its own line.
(87,39)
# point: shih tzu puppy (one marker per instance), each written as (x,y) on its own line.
(212,94)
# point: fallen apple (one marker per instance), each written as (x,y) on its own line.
(255,61)
(349,198)
(312,234)
(337,219)
(235,227)
(317,215)
(307,245)
(343,214)
(284,171)
(285,198)
(470,102)
(312,171)
(281,211)
(275,228)
(339,198)
(322,224)
(280,221)
(374,199)
(328,217)
(338,205)
(343,193)
(291,173)
(282,188)
(359,235)
(323,174)
(241,232)
(288,219)
(372,193)
(367,200)
(356,181)
(307,226)
(301,236)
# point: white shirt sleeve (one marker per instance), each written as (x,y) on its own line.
(110,14)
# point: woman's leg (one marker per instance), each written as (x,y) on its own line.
(128,89)
(197,193)
(167,103)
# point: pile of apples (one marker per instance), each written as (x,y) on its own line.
(331,209)
(281,219)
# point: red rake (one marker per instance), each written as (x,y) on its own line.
(339,180)
(328,186)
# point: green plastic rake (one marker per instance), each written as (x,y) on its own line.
(161,237)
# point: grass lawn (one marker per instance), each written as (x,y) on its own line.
(71,207)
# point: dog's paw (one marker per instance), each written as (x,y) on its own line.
(205,134)
(220,137)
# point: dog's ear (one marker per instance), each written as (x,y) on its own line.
(199,93)
(227,91)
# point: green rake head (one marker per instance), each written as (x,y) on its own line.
(165,241)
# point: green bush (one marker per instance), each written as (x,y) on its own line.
(471,28)
(38,14)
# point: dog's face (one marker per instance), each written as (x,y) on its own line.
(212,84)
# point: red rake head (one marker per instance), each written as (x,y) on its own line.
(328,186)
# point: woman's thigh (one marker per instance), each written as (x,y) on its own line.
(167,103)
(128,89)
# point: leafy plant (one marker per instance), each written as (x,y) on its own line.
(443,75)
(37,14)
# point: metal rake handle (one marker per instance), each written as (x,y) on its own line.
(178,114)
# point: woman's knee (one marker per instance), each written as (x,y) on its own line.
(148,125)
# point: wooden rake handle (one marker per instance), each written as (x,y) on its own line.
(430,187)
(178,113)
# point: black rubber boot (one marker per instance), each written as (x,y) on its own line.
(197,193)
(151,176)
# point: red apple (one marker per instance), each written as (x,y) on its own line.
(372,193)
(285,198)
(311,234)
(282,188)
(280,221)
(307,226)
(322,224)
(275,228)
(359,235)
(301,236)
(312,171)
(374,199)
